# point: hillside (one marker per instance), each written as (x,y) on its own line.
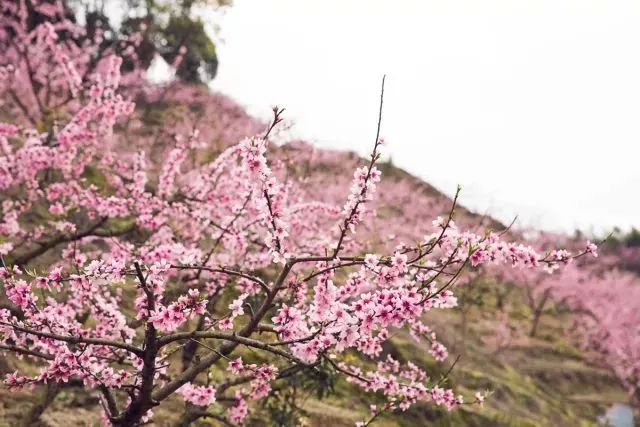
(167,259)
(543,381)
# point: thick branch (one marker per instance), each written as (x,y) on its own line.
(26,352)
(76,339)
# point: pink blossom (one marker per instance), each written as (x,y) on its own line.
(198,395)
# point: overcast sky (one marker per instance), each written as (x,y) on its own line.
(532,106)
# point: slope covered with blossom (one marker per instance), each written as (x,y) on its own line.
(401,199)
(165,258)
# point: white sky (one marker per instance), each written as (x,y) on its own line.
(532,106)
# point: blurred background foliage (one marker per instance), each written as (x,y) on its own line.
(167,29)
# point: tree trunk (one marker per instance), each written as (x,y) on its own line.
(537,313)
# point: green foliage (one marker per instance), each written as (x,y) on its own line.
(200,61)
(632,238)
(95,177)
(285,404)
(167,26)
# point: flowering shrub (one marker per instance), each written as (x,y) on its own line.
(142,278)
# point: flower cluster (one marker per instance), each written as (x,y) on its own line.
(362,190)
(269,195)
(198,395)
(171,317)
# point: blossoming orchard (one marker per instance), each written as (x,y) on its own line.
(147,267)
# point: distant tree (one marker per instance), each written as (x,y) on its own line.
(169,29)
(632,239)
